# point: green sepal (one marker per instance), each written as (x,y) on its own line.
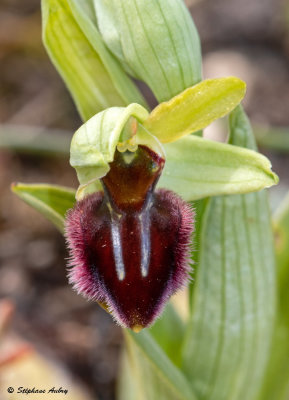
(197,168)
(51,201)
(93,76)
(195,108)
(155,41)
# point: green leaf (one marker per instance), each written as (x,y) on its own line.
(155,41)
(94,78)
(153,375)
(127,385)
(94,144)
(276,382)
(196,168)
(195,108)
(230,334)
(161,331)
(200,208)
(281,230)
(52,201)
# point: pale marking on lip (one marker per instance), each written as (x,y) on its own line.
(144,221)
(116,244)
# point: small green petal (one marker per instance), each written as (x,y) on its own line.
(195,108)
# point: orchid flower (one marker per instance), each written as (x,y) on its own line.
(130,232)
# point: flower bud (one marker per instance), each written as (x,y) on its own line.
(129,245)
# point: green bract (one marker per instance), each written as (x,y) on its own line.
(93,76)
(155,41)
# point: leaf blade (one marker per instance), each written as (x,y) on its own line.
(161,332)
(230,333)
(151,360)
(276,379)
(52,201)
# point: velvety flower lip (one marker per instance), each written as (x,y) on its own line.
(129,245)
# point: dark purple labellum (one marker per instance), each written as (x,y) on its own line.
(129,246)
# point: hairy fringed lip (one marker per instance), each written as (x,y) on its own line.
(130,244)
